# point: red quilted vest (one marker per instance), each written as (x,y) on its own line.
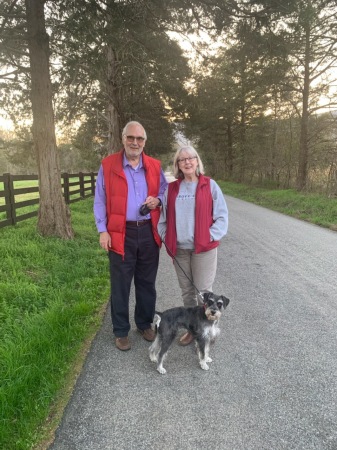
(203,216)
(116,188)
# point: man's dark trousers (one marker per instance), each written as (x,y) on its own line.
(141,263)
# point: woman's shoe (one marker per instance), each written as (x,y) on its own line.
(186,339)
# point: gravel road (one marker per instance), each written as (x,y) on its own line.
(273,381)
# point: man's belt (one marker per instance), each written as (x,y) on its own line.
(137,223)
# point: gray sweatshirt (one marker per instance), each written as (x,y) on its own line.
(185,214)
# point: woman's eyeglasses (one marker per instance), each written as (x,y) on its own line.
(139,139)
(189,159)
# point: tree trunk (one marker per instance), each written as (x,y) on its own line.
(54,215)
(303,151)
(273,149)
(114,132)
(230,149)
(242,146)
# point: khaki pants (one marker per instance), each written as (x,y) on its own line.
(200,268)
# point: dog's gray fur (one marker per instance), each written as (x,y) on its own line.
(201,321)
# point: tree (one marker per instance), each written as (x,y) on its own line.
(313,51)
(54,216)
(308,29)
(118,64)
(233,94)
(275,65)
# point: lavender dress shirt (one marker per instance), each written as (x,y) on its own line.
(137,193)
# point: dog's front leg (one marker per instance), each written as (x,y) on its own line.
(202,353)
(161,369)
(207,348)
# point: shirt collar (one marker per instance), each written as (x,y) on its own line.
(126,162)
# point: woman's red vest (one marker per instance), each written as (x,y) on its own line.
(203,216)
(116,188)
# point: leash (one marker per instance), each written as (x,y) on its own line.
(183,271)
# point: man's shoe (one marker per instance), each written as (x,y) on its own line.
(148,334)
(186,339)
(123,343)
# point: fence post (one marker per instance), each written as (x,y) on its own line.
(81,176)
(92,175)
(66,193)
(10,198)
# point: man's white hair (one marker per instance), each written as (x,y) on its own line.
(133,122)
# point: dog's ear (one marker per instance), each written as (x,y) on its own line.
(225,301)
(206,295)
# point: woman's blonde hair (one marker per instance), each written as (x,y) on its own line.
(191,151)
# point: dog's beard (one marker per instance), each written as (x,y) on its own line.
(211,316)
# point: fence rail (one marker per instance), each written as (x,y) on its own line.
(75,187)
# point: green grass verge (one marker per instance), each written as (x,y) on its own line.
(313,208)
(52,293)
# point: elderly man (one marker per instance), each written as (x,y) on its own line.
(127,180)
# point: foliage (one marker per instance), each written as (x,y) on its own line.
(148,70)
(232,97)
(253,108)
(256,109)
(20,153)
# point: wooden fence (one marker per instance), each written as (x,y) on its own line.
(75,187)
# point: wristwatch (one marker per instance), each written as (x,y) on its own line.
(160,203)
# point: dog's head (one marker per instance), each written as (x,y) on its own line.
(214,305)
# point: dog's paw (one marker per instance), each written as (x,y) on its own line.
(161,370)
(153,357)
(203,365)
(208,359)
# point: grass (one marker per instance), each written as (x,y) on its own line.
(52,295)
(313,208)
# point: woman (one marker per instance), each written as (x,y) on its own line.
(193,219)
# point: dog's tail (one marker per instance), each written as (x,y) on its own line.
(157,320)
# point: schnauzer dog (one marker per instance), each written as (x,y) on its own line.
(200,321)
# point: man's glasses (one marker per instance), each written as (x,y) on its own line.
(189,159)
(139,139)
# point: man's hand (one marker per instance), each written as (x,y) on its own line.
(105,240)
(152,202)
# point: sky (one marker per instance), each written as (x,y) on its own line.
(4,123)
